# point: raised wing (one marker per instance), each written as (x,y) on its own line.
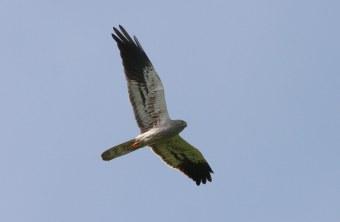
(179,154)
(146,91)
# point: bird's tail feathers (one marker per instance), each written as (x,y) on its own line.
(121,149)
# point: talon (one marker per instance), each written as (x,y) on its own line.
(135,145)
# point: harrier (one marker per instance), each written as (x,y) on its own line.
(158,131)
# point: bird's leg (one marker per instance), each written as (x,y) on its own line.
(135,145)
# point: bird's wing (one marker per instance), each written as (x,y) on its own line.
(179,154)
(146,91)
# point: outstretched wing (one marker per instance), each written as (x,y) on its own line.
(146,91)
(179,154)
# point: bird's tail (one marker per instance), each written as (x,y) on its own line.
(121,149)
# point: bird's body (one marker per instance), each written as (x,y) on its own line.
(161,132)
(158,131)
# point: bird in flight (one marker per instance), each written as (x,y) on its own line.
(158,131)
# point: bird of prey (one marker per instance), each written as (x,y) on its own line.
(158,131)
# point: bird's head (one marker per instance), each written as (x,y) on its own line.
(181,123)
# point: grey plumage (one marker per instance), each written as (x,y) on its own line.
(146,93)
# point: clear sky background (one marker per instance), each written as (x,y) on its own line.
(257,81)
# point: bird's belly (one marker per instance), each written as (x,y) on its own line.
(155,135)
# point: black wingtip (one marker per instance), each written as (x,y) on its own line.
(115,29)
(116,38)
(198,172)
(123,35)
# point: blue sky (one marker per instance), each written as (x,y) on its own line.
(257,81)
